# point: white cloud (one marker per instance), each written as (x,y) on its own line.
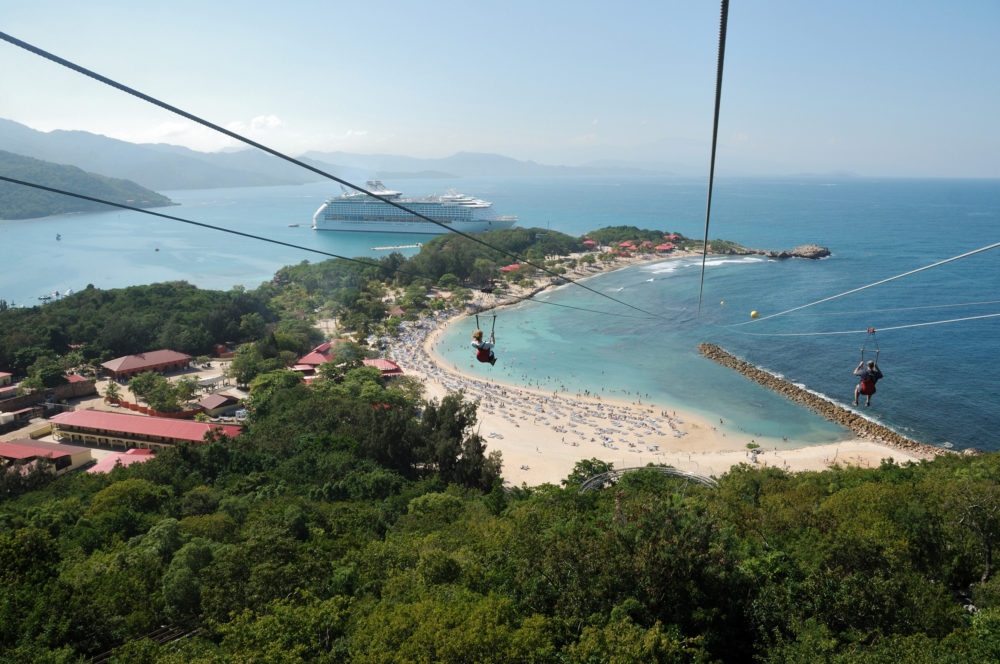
(262,122)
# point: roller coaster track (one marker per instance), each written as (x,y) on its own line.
(598,482)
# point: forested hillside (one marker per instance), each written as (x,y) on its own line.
(110,323)
(348,526)
(21,202)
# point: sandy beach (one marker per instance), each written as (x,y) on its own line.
(541,435)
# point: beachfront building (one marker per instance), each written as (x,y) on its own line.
(321,354)
(388,368)
(121,431)
(26,450)
(6,378)
(162,361)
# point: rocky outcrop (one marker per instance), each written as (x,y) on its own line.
(812,251)
(805,251)
(862,427)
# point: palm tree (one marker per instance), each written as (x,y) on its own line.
(112,392)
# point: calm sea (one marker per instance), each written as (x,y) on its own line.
(941,380)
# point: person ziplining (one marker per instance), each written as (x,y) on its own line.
(484,349)
(869,373)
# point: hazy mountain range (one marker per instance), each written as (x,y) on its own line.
(164,167)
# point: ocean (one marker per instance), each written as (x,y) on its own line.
(940,384)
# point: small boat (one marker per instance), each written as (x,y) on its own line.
(293,225)
(58,236)
(44,298)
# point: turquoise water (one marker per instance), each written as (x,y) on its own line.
(941,382)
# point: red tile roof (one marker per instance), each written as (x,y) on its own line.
(26,449)
(387,367)
(143,360)
(142,426)
(108,463)
(315,359)
(213,401)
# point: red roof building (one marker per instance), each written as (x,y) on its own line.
(65,457)
(216,404)
(387,367)
(5,378)
(319,355)
(118,430)
(510,268)
(157,360)
(127,458)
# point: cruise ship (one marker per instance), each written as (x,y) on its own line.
(360,212)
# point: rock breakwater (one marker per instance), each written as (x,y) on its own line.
(860,426)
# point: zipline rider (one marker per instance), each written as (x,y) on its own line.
(869,375)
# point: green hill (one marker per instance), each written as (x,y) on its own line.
(20,202)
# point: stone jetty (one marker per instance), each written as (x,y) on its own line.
(862,427)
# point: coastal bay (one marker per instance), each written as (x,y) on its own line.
(542,434)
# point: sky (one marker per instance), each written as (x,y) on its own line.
(887,88)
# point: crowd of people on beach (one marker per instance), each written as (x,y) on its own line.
(577,420)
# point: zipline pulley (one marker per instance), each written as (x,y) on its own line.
(870,345)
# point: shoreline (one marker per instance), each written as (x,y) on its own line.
(542,434)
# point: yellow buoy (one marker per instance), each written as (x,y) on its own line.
(723,303)
(754,314)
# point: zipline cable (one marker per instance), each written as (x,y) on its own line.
(881,329)
(194,118)
(877,283)
(367,263)
(594,311)
(878,311)
(723,20)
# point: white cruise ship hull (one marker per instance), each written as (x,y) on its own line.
(416,227)
(361,213)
